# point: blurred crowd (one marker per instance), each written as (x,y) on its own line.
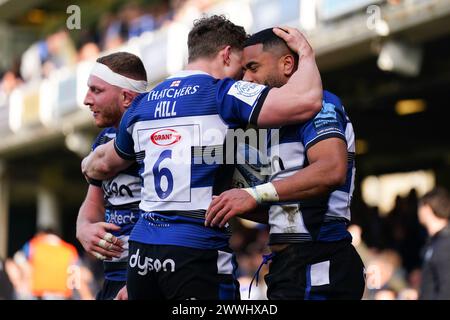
(390,247)
(394,248)
(111,30)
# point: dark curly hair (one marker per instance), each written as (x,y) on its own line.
(211,34)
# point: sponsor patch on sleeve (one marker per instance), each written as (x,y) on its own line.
(326,117)
(247,92)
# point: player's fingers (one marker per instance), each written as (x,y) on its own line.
(112,247)
(98,255)
(291,31)
(109,246)
(294,39)
(106,253)
(226,218)
(214,201)
(108,237)
(283,32)
(102,243)
(214,206)
(219,216)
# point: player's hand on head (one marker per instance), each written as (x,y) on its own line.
(98,241)
(229,204)
(295,40)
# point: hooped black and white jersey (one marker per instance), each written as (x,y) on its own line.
(122,195)
(323,218)
(176,133)
(124,190)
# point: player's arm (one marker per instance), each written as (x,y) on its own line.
(104,162)
(301,97)
(326,171)
(91,228)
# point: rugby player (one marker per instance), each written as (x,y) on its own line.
(309,192)
(111,206)
(173,132)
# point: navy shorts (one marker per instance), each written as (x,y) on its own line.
(316,271)
(180,273)
(110,289)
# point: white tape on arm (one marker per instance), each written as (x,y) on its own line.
(106,74)
(263,193)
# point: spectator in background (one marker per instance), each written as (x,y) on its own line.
(405,232)
(20,279)
(185,12)
(136,20)
(47,263)
(88,51)
(434,213)
(111,32)
(131,21)
(41,58)
(6,287)
(61,52)
(385,294)
(32,60)
(88,44)
(384,275)
(8,83)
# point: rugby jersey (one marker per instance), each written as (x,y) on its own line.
(177,134)
(323,218)
(122,195)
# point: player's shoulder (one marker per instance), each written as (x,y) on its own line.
(138,100)
(330,97)
(109,132)
(332,105)
(139,97)
(241,88)
(332,110)
(186,76)
(104,136)
(133,112)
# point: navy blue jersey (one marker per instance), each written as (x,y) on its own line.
(122,195)
(322,218)
(124,190)
(176,133)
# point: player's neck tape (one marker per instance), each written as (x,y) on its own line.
(263,193)
(106,74)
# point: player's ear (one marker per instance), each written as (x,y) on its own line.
(288,64)
(126,98)
(226,55)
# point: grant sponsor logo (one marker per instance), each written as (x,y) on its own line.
(165,137)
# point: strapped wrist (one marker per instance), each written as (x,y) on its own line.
(263,193)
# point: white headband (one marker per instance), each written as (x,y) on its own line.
(106,74)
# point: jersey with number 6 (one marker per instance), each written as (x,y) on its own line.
(176,133)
